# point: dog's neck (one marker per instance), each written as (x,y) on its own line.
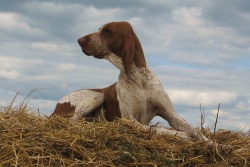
(115,60)
(134,71)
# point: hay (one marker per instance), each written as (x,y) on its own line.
(27,139)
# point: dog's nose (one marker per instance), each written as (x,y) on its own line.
(81,41)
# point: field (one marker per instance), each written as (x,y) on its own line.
(28,139)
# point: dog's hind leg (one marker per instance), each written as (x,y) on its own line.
(79,104)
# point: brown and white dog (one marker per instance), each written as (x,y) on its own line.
(138,94)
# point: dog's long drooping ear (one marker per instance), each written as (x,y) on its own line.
(128,53)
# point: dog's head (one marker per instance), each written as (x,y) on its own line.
(118,38)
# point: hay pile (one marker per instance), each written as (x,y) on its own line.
(28,139)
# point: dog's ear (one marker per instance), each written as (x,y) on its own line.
(128,53)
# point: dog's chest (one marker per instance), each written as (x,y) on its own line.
(134,92)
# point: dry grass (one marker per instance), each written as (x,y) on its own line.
(28,139)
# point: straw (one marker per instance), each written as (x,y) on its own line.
(28,139)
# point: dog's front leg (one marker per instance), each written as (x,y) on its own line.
(166,111)
(158,130)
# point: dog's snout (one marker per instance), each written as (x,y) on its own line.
(81,41)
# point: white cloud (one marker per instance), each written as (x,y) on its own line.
(228,121)
(91,18)
(8,62)
(12,74)
(244,105)
(223,114)
(188,37)
(51,8)
(40,77)
(66,67)
(43,106)
(48,7)
(97,13)
(13,22)
(236,125)
(51,47)
(54,48)
(187,16)
(195,98)
(64,86)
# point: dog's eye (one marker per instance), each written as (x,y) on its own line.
(106,30)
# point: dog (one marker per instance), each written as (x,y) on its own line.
(138,95)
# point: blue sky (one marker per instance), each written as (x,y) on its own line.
(199,49)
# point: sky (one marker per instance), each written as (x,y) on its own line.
(200,50)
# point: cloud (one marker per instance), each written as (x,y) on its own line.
(90,19)
(13,62)
(48,8)
(227,120)
(189,37)
(203,79)
(11,21)
(40,106)
(15,23)
(187,16)
(244,104)
(12,74)
(66,67)
(53,48)
(195,98)
(16,68)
